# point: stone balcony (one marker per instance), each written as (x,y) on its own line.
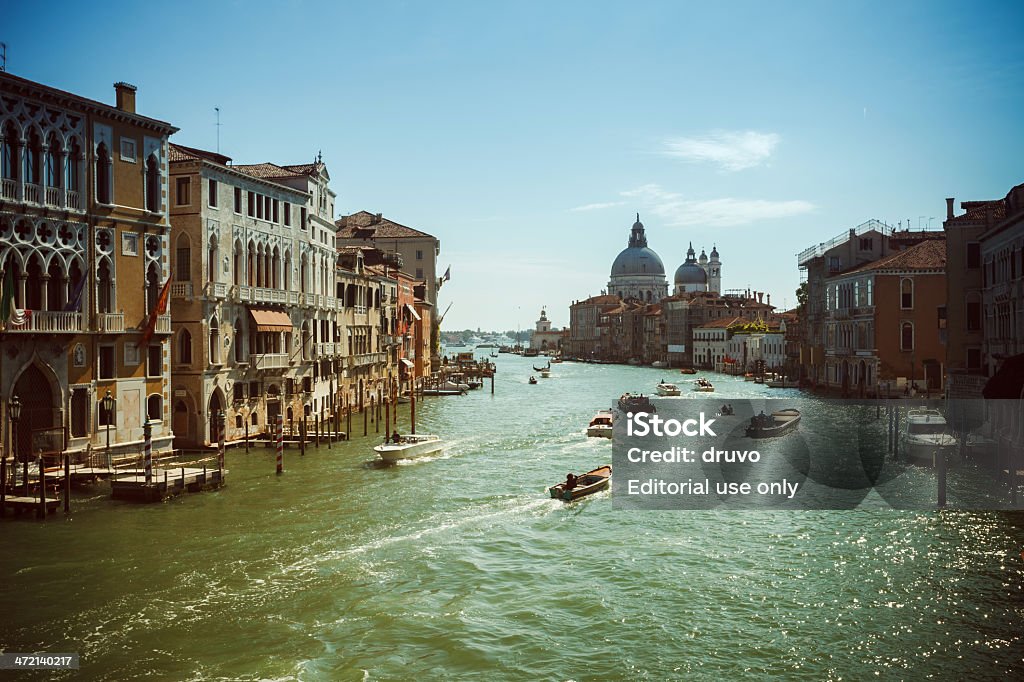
(181,290)
(49,322)
(55,197)
(269,361)
(110,323)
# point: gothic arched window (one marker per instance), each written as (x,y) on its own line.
(103,169)
(152,184)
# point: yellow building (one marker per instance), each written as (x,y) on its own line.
(83,229)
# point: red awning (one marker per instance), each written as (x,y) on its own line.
(271,320)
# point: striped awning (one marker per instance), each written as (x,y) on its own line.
(412,312)
(408,363)
(271,320)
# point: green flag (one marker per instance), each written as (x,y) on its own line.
(7,297)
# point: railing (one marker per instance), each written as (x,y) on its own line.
(815,251)
(74,200)
(293,298)
(163,324)
(269,360)
(244,293)
(111,323)
(361,309)
(31,193)
(217,289)
(367,359)
(309,300)
(330,303)
(325,350)
(51,322)
(9,189)
(181,289)
(54,196)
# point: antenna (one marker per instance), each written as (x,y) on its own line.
(3,56)
(217,109)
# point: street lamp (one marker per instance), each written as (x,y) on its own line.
(15,409)
(108,409)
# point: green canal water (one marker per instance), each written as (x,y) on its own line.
(460,567)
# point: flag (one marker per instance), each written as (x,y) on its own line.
(9,315)
(159,309)
(76,296)
(7,296)
(447,274)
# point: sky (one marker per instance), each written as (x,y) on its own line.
(526,136)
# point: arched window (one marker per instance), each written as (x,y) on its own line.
(155,407)
(250,265)
(236,276)
(185,347)
(214,342)
(303,274)
(33,159)
(287,270)
(104,287)
(212,254)
(907,336)
(51,162)
(239,335)
(71,174)
(9,152)
(152,286)
(153,184)
(906,294)
(103,172)
(183,259)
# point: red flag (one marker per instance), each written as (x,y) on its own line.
(159,309)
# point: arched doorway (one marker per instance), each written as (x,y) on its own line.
(40,409)
(216,405)
(180,421)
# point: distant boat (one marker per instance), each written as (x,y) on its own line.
(494,355)
(601,425)
(783,383)
(778,423)
(703,386)
(410,447)
(658,364)
(530,353)
(486,344)
(587,484)
(687,370)
(533,380)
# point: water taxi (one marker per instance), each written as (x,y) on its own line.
(703,386)
(601,425)
(665,388)
(635,403)
(778,423)
(410,447)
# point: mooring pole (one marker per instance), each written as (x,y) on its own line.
(280,444)
(147,452)
(366,416)
(221,423)
(940,466)
(412,414)
(42,488)
(67,483)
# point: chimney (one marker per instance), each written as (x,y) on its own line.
(760,297)
(125,96)
(949,208)
(769,299)
(376,218)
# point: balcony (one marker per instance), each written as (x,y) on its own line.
(309,300)
(325,350)
(54,196)
(74,200)
(49,322)
(32,193)
(364,359)
(110,323)
(163,324)
(218,290)
(269,361)
(181,290)
(9,190)
(293,297)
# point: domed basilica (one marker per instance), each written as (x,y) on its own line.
(638,272)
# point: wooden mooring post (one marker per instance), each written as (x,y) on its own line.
(280,444)
(412,414)
(67,483)
(316,429)
(366,416)
(41,513)
(940,475)
(302,435)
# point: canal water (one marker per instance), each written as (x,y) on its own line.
(460,567)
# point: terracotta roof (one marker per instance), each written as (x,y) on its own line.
(366,225)
(722,323)
(977,211)
(180,152)
(603,299)
(927,255)
(269,170)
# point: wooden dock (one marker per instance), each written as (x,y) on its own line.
(30,504)
(131,484)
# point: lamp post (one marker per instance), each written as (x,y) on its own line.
(15,417)
(108,408)
(14,408)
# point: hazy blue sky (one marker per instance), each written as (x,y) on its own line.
(527,135)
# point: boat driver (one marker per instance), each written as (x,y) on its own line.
(570,481)
(396,438)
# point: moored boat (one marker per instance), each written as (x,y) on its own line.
(665,388)
(687,370)
(586,484)
(777,423)
(926,437)
(410,447)
(635,403)
(601,425)
(784,382)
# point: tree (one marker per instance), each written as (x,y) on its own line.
(801,296)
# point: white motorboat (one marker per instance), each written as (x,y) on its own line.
(702,385)
(665,388)
(545,373)
(601,425)
(410,447)
(926,437)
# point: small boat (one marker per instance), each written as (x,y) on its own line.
(703,386)
(726,411)
(687,370)
(635,403)
(601,425)
(494,355)
(586,484)
(783,383)
(531,353)
(748,377)
(533,380)
(778,423)
(545,373)
(665,388)
(758,380)
(926,437)
(658,364)
(541,369)
(443,391)
(556,359)
(410,447)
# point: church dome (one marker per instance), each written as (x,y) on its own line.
(637,258)
(689,273)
